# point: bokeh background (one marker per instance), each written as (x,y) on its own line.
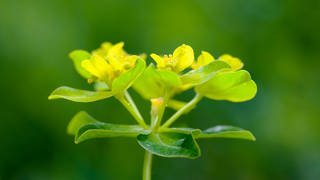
(279,42)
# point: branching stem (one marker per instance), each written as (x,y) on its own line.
(181,111)
(130,106)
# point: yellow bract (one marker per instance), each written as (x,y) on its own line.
(234,62)
(181,59)
(109,61)
(204,59)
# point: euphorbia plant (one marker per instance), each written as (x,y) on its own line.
(113,71)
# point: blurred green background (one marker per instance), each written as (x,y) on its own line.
(279,42)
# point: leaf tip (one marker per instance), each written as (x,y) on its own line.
(52,96)
(252,137)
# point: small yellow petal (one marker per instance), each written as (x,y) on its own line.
(98,67)
(130,61)
(234,62)
(159,60)
(88,66)
(117,50)
(204,59)
(99,62)
(103,50)
(116,56)
(184,57)
(106,46)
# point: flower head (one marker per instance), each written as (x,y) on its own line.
(181,59)
(108,62)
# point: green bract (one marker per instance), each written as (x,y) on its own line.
(77,56)
(233,86)
(155,83)
(119,85)
(113,71)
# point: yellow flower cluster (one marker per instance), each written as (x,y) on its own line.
(183,58)
(109,61)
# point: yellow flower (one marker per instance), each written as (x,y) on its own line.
(234,62)
(181,59)
(204,59)
(103,50)
(109,61)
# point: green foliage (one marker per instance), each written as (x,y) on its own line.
(106,130)
(226,132)
(174,145)
(78,95)
(204,73)
(114,71)
(80,119)
(232,86)
(155,83)
(124,81)
(77,56)
(120,84)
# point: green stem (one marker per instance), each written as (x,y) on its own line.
(132,110)
(130,100)
(181,111)
(158,106)
(147,165)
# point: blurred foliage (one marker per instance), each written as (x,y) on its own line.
(278,41)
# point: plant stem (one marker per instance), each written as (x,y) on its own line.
(130,100)
(147,165)
(181,111)
(133,111)
(158,106)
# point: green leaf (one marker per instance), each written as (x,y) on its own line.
(85,127)
(79,120)
(168,78)
(154,83)
(125,80)
(170,144)
(78,95)
(107,130)
(226,132)
(232,86)
(121,83)
(146,85)
(183,130)
(204,73)
(77,57)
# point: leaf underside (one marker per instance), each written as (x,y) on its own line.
(85,127)
(172,145)
(168,142)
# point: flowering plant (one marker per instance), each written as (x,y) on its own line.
(113,71)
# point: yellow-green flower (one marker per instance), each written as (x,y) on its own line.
(109,61)
(234,62)
(181,59)
(205,58)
